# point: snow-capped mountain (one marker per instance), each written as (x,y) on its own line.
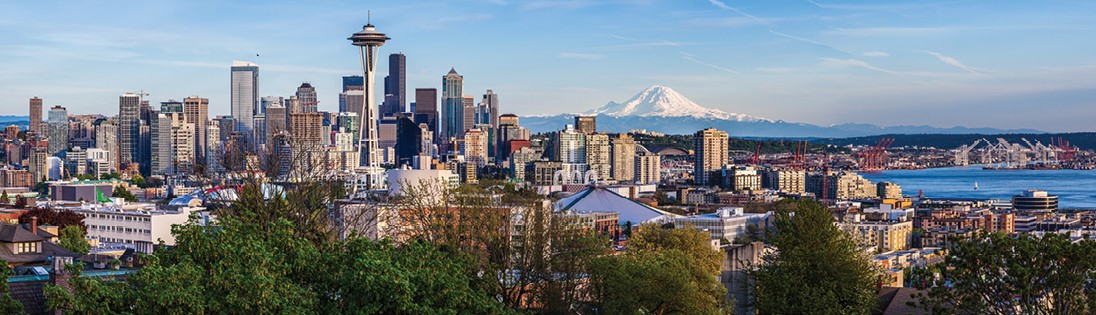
(661,109)
(662,101)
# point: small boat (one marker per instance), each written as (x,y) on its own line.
(975,185)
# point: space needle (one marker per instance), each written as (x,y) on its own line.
(370,174)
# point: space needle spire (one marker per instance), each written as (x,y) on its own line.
(370,173)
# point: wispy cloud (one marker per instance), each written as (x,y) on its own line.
(855,63)
(733,21)
(809,41)
(724,6)
(446,21)
(690,57)
(583,56)
(887,31)
(870,7)
(875,54)
(953,62)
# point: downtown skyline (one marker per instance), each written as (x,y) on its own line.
(1003,65)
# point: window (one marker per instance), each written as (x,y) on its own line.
(28,247)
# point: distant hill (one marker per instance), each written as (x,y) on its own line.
(661,109)
(7,120)
(1083,140)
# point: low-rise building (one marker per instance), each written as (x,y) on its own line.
(139,226)
(728,223)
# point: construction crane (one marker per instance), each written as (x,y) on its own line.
(875,157)
(962,154)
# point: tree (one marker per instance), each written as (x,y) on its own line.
(124,194)
(73,238)
(50,216)
(662,272)
(4,199)
(20,202)
(8,305)
(815,267)
(998,274)
(138,180)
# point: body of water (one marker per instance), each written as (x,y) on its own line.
(1075,188)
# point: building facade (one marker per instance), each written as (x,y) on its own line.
(710,147)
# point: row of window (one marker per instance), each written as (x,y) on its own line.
(112,228)
(28,247)
(105,216)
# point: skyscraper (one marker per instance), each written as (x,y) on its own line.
(277,122)
(197,113)
(58,130)
(710,146)
(36,116)
(598,155)
(569,146)
(368,41)
(306,99)
(106,138)
(426,109)
(245,94)
(452,102)
(469,114)
(475,146)
(174,149)
(586,124)
(349,82)
(623,161)
(213,147)
(489,109)
(395,85)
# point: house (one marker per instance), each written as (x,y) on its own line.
(19,246)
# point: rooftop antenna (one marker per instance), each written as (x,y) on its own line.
(368,16)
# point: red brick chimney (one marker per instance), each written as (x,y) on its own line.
(34,224)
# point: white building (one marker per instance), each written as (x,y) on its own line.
(726,223)
(140,226)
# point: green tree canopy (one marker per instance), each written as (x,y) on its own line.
(73,238)
(815,267)
(998,274)
(663,271)
(8,305)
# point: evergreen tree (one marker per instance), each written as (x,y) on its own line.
(8,305)
(72,238)
(815,267)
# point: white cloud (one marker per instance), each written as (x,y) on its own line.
(855,63)
(953,62)
(689,57)
(875,54)
(583,56)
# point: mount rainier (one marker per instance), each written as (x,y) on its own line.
(661,109)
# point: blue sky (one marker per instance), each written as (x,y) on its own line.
(1007,64)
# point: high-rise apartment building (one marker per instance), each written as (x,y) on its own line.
(469,115)
(648,166)
(276,122)
(173,151)
(452,102)
(36,116)
(196,110)
(106,139)
(305,129)
(245,94)
(213,148)
(475,146)
(623,153)
(710,147)
(306,99)
(58,130)
(569,146)
(598,155)
(586,124)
